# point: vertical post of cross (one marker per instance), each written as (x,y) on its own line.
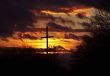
(47,39)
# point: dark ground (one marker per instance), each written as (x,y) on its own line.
(23,61)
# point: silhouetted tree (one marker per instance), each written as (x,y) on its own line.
(96,49)
(101,29)
(100,26)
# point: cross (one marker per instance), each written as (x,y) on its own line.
(47,36)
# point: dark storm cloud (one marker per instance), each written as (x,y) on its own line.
(70,3)
(15,14)
(100,4)
(12,14)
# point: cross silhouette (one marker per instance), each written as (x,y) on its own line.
(47,36)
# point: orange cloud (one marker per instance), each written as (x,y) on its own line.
(71,11)
(18,40)
(59,39)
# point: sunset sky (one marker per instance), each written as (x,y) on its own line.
(21,22)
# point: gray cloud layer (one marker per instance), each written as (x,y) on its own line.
(15,14)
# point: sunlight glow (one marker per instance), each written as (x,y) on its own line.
(65,43)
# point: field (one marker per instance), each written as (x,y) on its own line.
(26,61)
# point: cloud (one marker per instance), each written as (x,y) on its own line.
(55,4)
(12,14)
(81,15)
(100,4)
(71,36)
(25,35)
(85,24)
(57,27)
(4,39)
(15,15)
(64,20)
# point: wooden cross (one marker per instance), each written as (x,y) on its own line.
(47,36)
